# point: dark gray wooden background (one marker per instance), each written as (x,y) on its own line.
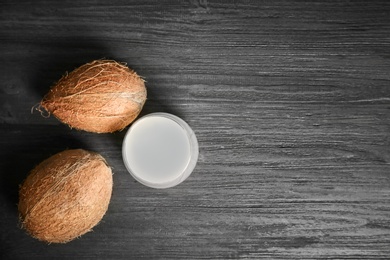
(290,101)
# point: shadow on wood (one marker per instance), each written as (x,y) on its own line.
(27,146)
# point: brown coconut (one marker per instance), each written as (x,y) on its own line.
(103,96)
(65,196)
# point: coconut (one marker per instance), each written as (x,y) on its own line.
(102,96)
(65,196)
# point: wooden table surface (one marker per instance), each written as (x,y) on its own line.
(290,101)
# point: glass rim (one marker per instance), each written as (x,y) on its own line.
(193,157)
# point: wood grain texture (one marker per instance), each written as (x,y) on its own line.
(290,101)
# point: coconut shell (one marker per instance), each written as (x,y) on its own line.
(65,196)
(103,96)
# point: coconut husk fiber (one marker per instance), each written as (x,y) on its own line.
(102,96)
(65,196)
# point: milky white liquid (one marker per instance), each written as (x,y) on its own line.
(157,150)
